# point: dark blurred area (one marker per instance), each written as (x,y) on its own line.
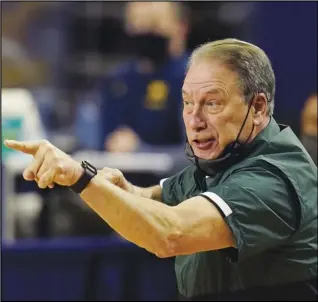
(102,81)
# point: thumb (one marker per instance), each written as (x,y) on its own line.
(30,147)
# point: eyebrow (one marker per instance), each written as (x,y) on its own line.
(184,91)
(214,91)
(211,91)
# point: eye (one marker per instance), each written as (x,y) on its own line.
(212,104)
(187,103)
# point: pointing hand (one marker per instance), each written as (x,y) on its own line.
(49,165)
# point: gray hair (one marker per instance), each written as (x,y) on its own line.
(254,69)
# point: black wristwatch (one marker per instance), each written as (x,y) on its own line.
(89,172)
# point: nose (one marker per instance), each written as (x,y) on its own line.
(197,120)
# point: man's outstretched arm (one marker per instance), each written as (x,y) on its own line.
(193,226)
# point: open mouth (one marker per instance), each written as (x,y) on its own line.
(204,144)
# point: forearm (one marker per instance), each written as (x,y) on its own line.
(143,221)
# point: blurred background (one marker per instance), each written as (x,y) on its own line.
(102,81)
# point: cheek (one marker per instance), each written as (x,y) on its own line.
(226,125)
(186,119)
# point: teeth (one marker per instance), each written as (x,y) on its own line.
(203,141)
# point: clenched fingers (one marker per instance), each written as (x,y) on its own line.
(47,179)
(51,171)
(112,175)
(30,173)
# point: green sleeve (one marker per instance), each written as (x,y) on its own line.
(257,203)
(173,187)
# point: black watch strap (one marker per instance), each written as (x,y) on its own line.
(89,172)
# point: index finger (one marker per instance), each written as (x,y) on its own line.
(30,147)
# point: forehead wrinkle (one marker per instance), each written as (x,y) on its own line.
(208,88)
(206,84)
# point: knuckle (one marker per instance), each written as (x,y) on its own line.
(44,142)
(117,172)
(114,177)
(59,165)
(46,145)
(56,163)
(49,148)
(105,170)
(41,183)
(114,180)
(111,177)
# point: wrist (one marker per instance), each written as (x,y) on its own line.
(79,171)
(83,174)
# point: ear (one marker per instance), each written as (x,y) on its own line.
(260,109)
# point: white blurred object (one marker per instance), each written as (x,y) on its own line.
(19,103)
(20,119)
(28,207)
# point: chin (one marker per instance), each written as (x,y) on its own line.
(207,155)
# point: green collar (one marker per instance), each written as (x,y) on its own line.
(265,136)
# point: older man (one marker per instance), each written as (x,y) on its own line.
(242,220)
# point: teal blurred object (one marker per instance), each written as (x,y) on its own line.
(11,129)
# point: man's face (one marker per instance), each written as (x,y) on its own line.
(214,109)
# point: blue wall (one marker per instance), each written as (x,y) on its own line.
(85,269)
(287,31)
